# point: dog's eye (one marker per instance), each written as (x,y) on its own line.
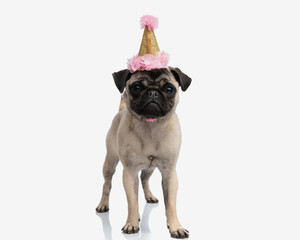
(169,89)
(136,87)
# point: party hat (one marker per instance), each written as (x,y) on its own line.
(149,56)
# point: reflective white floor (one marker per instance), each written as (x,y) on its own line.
(153,221)
(59,201)
(145,230)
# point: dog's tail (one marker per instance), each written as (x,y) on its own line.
(122,104)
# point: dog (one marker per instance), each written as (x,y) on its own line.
(144,135)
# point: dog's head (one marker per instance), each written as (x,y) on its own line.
(151,94)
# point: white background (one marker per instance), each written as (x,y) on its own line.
(239,163)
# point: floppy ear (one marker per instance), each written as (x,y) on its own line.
(183,79)
(120,79)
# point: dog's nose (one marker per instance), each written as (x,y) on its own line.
(153,93)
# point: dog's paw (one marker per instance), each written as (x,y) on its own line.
(179,232)
(151,199)
(102,208)
(129,228)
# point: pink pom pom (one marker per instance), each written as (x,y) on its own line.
(149,21)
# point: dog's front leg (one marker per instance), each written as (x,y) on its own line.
(170,186)
(130,182)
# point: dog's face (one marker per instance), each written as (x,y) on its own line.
(151,94)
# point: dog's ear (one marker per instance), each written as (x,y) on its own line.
(120,79)
(183,79)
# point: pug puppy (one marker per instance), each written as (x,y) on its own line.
(144,135)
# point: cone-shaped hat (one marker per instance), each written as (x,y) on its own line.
(149,56)
(149,43)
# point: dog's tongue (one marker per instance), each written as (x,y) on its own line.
(150,120)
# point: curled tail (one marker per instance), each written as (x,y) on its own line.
(122,104)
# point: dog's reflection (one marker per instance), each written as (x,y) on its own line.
(144,232)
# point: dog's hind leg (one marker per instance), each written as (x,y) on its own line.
(145,175)
(110,163)
(109,168)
